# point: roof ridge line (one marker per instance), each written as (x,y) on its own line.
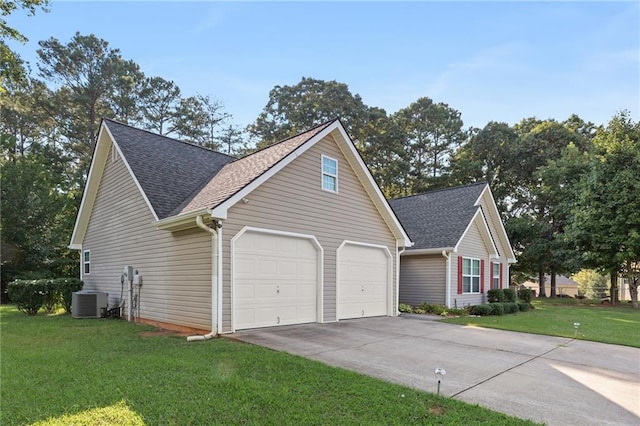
(167,137)
(440,190)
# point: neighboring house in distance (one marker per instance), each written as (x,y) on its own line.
(461,248)
(298,232)
(564,286)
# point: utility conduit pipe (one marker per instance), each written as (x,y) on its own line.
(214,281)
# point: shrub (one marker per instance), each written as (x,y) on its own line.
(524,306)
(524,294)
(51,296)
(495,295)
(66,287)
(458,311)
(482,310)
(509,295)
(430,308)
(497,308)
(420,311)
(403,307)
(28,295)
(511,307)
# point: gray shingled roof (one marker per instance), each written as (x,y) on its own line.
(235,176)
(437,219)
(178,177)
(167,169)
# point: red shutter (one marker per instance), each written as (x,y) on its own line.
(459,275)
(481,275)
(501,284)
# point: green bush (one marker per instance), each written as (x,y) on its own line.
(509,295)
(497,308)
(31,295)
(430,308)
(66,287)
(482,310)
(458,311)
(28,295)
(495,295)
(403,307)
(524,306)
(524,294)
(511,308)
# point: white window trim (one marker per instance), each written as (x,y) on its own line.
(323,174)
(86,263)
(479,276)
(495,276)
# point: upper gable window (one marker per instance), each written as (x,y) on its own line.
(114,154)
(329,174)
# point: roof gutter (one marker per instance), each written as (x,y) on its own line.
(428,251)
(216,279)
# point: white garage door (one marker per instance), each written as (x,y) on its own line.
(363,281)
(275,280)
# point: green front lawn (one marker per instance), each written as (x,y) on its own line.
(60,370)
(555,317)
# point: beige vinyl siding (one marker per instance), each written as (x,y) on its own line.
(472,246)
(293,201)
(175,267)
(423,279)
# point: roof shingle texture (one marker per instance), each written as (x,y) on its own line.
(178,177)
(167,169)
(235,176)
(437,219)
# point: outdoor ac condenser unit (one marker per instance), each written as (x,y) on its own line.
(88,303)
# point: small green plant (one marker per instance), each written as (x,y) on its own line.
(509,295)
(403,307)
(418,310)
(524,294)
(495,295)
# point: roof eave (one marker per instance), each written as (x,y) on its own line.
(436,250)
(183,221)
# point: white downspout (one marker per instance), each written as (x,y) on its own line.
(214,281)
(398,253)
(219,278)
(447,294)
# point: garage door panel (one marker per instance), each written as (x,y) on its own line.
(275,280)
(364,281)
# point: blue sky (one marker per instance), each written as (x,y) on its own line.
(500,61)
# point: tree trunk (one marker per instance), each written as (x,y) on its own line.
(541,282)
(613,289)
(553,282)
(633,290)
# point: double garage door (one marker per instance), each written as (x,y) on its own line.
(277,280)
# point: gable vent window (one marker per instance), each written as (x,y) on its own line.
(86,262)
(114,154)
(329,174)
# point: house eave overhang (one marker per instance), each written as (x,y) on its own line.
(438,250)
(340,136)
(184,221)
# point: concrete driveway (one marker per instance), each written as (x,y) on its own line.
(555,380)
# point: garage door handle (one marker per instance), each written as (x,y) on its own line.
(278,320)
(278,289)
(362,288)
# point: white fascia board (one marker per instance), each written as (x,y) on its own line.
(484,231)
(494,211)
(133,176)
(428,251)
(98,162)
(378,199)
(96,170)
